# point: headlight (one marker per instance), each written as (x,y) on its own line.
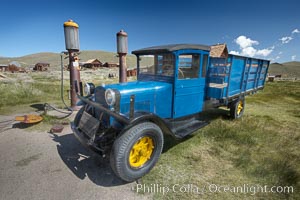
(110,97)
(89,88)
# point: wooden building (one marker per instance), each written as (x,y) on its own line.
(92,63)
(41,66)
(131,72)
(219,51)
(13,68)
(109,64)
(3,68)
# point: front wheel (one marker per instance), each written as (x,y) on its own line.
(136,152)
(237,109)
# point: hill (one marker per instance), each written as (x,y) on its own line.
(54,58)
(288,69)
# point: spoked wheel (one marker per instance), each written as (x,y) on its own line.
(237,108)
(136,152)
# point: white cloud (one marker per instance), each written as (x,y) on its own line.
(285,40)
(264,52)
(247,49)
(234,52)
(295,31)
(293,57)
(277,57)
(280,53)
(245,42)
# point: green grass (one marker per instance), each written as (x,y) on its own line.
(261,148)
(21,94)
(17,96)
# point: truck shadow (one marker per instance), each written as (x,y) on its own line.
(84,163)
(213,114)
(207,116)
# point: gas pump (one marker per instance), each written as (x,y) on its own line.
(72,46)
(122,49)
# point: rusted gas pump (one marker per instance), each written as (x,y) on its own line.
(72,45)
(122,49)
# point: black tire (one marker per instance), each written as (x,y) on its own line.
(124,146)
(237,108)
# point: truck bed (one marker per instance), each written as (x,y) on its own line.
(234,76)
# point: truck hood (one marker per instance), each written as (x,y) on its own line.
(150,96)
(137,87)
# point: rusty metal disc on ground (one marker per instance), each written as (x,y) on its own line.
(57,128)
(29,119)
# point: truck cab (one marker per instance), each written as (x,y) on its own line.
(184,68)
(128,121)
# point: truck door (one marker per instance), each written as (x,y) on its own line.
(189,89)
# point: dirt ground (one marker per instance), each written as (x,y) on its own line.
(41,165)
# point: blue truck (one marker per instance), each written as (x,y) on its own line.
(128,121)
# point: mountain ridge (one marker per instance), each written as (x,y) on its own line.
(55,58)
(287,69)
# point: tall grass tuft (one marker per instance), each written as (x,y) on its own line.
(18,93)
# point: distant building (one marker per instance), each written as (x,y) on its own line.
(3,67)
(109,64)
(131,72)
(13,68)
(219,51)
(271,78)
(41,66)
(92,63)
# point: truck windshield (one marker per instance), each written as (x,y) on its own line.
(158,64)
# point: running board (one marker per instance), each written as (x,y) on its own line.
(184,128)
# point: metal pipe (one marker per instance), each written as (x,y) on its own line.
(123,68)
(74,79)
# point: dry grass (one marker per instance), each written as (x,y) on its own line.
(19,90)
(261,148)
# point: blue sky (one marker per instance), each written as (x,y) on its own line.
(259,28)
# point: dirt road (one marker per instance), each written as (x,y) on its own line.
(40,165)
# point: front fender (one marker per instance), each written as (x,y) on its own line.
(142,116)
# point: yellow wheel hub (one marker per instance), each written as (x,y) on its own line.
(239,108)
(141,152)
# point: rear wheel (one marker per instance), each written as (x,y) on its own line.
(136,152)
(237,108)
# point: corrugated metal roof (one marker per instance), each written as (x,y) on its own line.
(171,47)
(92,60)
